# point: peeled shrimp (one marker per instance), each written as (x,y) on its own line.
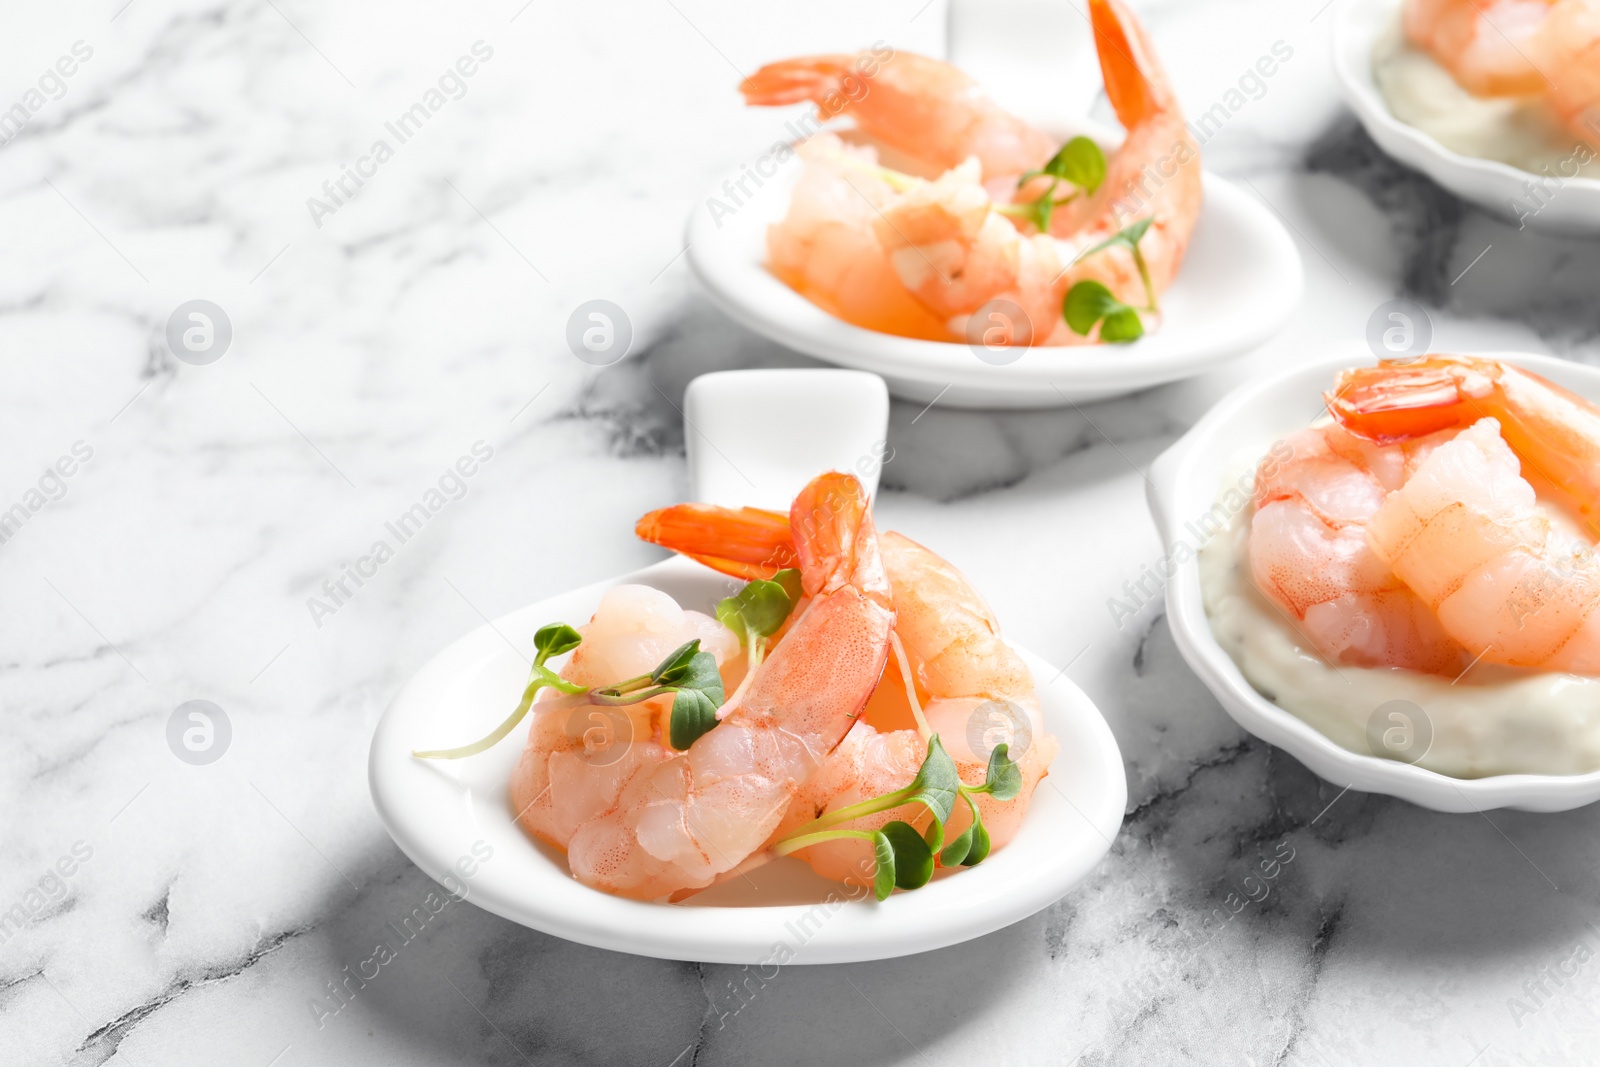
(965,684)
(651,823)
(1553,429)
(1466,532)
(921,107)
(1314,496)
(1548,48)
(943,240)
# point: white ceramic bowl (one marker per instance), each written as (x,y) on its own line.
(437,810)
(1490,184)
(1184,483)
(1238,286)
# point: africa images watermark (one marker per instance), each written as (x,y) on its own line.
(52,84)
(340,190)
(451,487)
(753,978)
(51,889)
(1147,588)
(1541,191)
(1247,88)
(51,487)
(853,88)
(341,990)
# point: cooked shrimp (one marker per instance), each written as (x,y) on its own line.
(966,685)
(1314,496)
(580,757)
(1155,174)
(655,823)
(955,255)
(827,250)
(921,107)
(1550,428)
(1484,44)
(1466,533)
(1548,48)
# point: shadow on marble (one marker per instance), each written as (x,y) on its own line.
(1380,878)
(470,987)
(937,452)
(1453,255)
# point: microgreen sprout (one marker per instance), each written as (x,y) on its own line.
(688,673)
(553,640)
(904,858)
(1090,302)
(1079,163)
(759,610)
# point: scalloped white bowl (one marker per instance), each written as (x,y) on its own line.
(1184,482)
(1238,286)
(1574,209)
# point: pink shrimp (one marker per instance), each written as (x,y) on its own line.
(651,823)
(921,107)
(1466,532)
(965,684)
(956,254)
(1548,48)
(1315,493)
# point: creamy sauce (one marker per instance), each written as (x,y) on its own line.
(1494,720)
(1520,131)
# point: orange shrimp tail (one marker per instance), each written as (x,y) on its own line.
(746,543)
(834,536)
(1135,83)
(1392,401)
(791,81)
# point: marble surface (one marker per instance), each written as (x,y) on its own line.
(208,908)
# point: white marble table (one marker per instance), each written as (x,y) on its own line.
(208,908)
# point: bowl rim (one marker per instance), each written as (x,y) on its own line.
(1355,31)
(1175,469)
(778,312)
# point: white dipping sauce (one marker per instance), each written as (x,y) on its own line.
(1495,720)
(1520,131)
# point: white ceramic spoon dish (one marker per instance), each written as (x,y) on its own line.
(1492,185)
(436,810)
(1238,286)
(1184,483)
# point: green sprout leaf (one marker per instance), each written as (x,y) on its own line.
(693,713)
(549,641)
(699,695)
(1079,161)
(883,872)
(1129,237)
(980,843)
(757,610)
(956,851)
(937,784)
(1003,780)
(789,578)
(676,665)
(1088,303)
(934,835)
(913,859)
(554,640)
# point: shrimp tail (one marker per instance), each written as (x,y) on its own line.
(1135,83)
(791,81)
(1392,401)
(747,543)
